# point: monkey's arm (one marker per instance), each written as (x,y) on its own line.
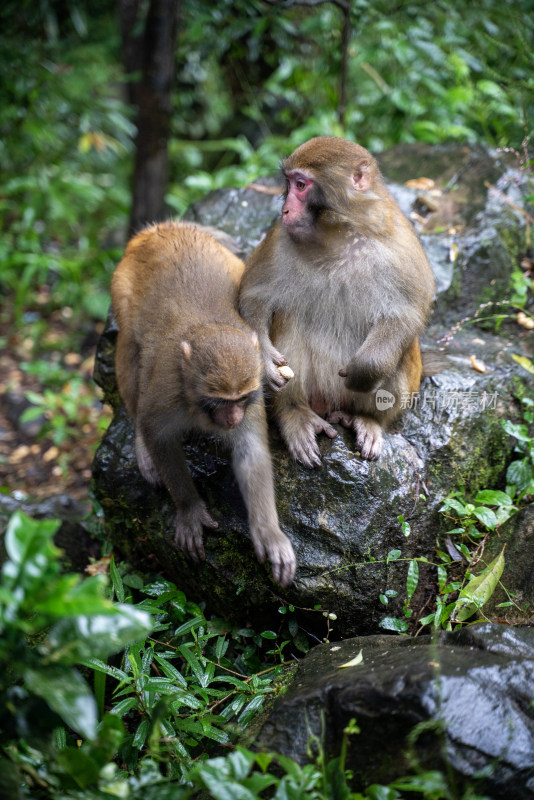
(255,310)
(252,466)
(163,443)
(379,355)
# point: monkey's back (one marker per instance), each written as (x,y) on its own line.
(173,273)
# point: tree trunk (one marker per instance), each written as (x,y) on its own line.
(153,98)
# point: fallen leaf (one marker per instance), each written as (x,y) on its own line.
(354,662)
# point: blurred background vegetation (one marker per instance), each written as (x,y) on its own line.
(252,79)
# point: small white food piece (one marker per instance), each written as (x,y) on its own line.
(286,372)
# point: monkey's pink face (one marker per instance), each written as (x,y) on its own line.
(297,214)
(225,413)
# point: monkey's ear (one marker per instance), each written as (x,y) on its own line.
(186,349)
(361,177)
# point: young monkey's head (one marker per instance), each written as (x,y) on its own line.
(221,373)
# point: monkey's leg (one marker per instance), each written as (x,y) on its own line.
(144,461)
(252,466)
(300,426)
(369,432)
(168,457)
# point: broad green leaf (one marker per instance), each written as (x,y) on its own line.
(486,516)
(479,590)
(84,637)
(519,473)
(490,497)
(393,555)
(518,431)
(394,624)
(25,537)
(67,694)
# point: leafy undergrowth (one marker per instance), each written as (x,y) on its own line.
(171,691)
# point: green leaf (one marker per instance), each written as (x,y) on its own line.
(518,431)
(393,555)
(412,578)
(116,580)
(26,537)
(394,624)
(67,694)
(250,710)
(170,671)
(479,590)
(490,497)
(195,665)
(486,516)
(84,637)
(519,473)
(187,626)
(77,763)
(141,734)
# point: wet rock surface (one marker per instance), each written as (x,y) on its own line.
(461,702)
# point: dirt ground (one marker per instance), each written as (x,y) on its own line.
(32,460)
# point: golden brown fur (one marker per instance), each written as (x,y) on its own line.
(185,361)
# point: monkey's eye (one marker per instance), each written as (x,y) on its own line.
(301,185)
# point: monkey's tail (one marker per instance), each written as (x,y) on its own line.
(434,362)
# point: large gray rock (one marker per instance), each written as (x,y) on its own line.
(343,517)
(469,692)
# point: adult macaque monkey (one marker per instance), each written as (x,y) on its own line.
(186,361)
(342,288)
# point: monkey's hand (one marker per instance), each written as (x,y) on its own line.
(274,545)
(273,360)
(189,525)
(362,375)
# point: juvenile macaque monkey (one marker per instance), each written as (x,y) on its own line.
(186,361)
(340,289)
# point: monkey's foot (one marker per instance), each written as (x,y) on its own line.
(369,437)
(144,461)
(276,547)
(300,426)
(368,432)
(189,529)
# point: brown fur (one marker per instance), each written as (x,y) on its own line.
(185,361)
(340,289)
